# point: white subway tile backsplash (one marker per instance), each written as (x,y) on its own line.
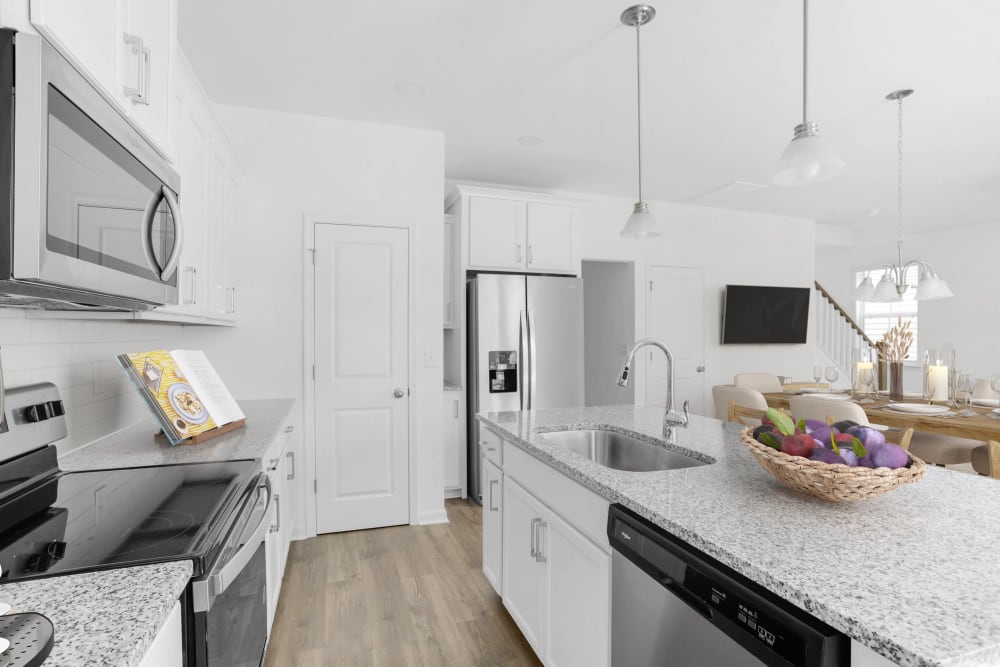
(78,356)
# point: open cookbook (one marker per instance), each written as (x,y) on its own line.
(183,390)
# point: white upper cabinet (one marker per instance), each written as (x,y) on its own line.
(505,230)
(125,47)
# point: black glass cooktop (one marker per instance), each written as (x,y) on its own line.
(77,521)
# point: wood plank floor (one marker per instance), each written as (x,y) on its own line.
(407,595)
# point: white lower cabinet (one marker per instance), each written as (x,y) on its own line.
(453,444)
(524,565)
(556,583)
(493,504)
(167,649)
(279,462)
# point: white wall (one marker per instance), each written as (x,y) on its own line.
(79,358)
(967,258)
(609,324)
(342,170)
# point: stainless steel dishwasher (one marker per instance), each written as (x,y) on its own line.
(673,605)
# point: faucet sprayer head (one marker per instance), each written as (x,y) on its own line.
(623,376)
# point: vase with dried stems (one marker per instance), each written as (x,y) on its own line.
(893,349)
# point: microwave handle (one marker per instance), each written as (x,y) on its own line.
(175,253)
(146,233)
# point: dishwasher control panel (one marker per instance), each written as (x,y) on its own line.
(771,629)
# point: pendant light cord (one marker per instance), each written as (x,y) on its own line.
(899,185)
(805,60)
(638,97)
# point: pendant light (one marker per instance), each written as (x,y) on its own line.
(641,224)
(808,158)
(893,284)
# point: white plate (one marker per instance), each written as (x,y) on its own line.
(832,397)
(919,408)
(986,402)
(810,390)
(4,644)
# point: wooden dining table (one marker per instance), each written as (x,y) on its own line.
(980,427)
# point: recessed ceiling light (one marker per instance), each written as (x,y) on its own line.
(529,141)
(410,89)
(873,212)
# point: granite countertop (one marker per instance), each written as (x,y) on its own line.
(135,445)
(102,618)
(914,574)
(448,386)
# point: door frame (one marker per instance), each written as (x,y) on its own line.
(309,222)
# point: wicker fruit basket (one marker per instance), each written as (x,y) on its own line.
(830,481)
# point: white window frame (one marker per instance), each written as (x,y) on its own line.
(907,308)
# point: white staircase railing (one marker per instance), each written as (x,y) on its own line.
(837,334)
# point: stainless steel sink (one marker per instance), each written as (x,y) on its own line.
(620,451)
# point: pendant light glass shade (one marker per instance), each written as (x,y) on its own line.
(886,290)
(932,287)
(808,159)
(641,224)
(865,290)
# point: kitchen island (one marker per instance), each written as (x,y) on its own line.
(914,574)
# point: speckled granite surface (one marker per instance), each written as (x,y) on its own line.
(135,446)
(102,618)
(914,574)
(448,386)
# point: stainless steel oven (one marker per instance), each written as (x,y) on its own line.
(88,208)
(228,626)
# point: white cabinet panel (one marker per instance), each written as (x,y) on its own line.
(579,613)
(493,504)
(451,422)
(88,33)
(552,238)
(496,233)
(523,582)
(153,21)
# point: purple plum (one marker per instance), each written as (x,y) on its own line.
(824,435)
(850,458)
(825,455)
(890,455)
(814,425)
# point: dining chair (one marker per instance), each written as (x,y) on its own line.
(983,389)
(762,382)
(724,394)
(824,409)
(744,415)
(986,459)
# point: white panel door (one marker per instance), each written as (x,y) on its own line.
(362,400)
(676,316)
(496,233)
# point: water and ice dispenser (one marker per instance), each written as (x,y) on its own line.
(503,371)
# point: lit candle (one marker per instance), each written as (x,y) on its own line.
(865,366)
(937,383)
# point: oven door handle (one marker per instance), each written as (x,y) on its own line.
(216,583)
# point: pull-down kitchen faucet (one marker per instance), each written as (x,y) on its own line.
(670,418)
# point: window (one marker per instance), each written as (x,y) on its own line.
(877,318)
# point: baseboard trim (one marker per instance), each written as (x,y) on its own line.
(430,518)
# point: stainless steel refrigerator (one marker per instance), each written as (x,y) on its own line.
(525,349)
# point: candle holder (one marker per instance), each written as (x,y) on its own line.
(864,372)
(939,367)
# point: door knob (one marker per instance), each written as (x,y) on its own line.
(399,393)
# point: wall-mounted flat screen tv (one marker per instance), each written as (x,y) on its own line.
(757,314)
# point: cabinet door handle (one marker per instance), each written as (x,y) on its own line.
(519,259)
(531,257)
(456,409)
(143,97)
(192,289)
(494,483)
(539,554)
(447,316)
(274,464)
(276,528)
(534,537)
(136,49)
(291,460)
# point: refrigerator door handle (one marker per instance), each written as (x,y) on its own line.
(531,354)
(522,368)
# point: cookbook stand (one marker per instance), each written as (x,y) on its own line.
(208,435)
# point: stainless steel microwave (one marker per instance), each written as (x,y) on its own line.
(88,208)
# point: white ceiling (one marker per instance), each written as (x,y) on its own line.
(721,92)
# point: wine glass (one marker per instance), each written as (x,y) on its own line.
(831,375)
(866,379)
(995,386)
(817,375)
(967,385)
